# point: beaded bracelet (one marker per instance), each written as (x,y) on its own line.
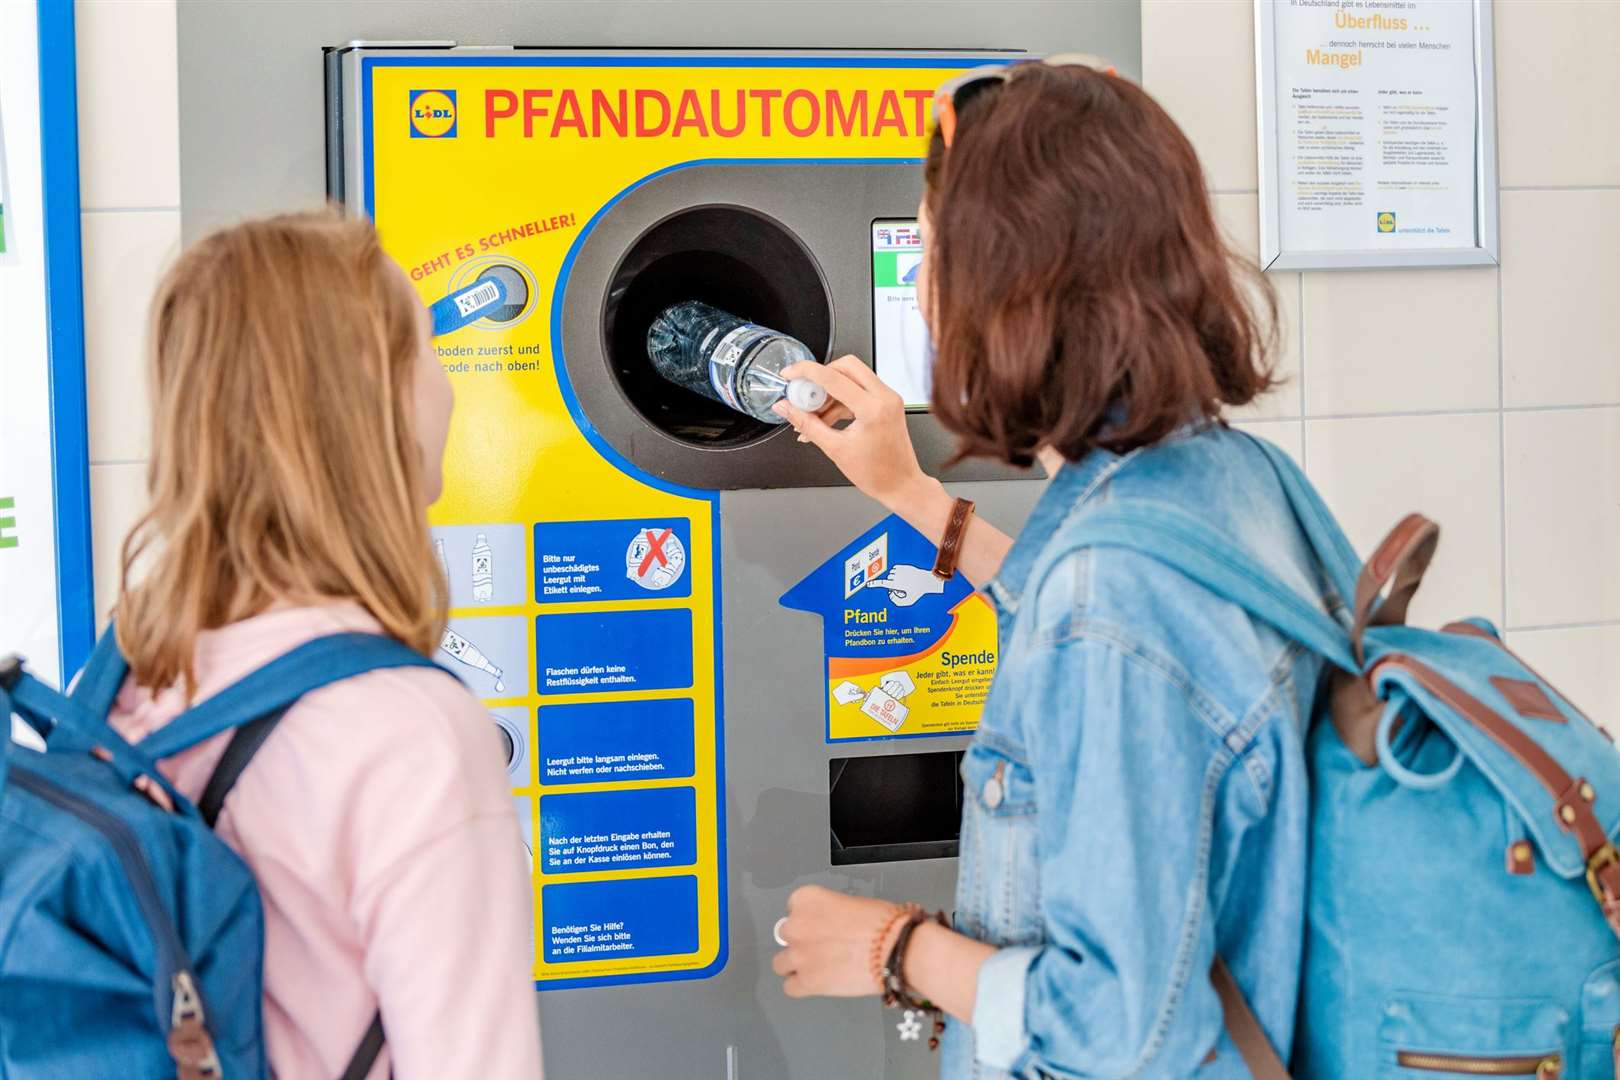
(897,993)
(875,959)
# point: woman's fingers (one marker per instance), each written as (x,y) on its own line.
(839,386)
(859,373)
(835,413)
(784,963)
(811,428)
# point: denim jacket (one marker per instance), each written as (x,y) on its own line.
(1136,799)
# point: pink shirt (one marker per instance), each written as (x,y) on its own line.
(378,821)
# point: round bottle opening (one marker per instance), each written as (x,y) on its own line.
(517,292)
(511,743)
(735,259)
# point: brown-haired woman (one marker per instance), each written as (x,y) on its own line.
(1135,799)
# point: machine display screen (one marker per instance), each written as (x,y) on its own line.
(899,335)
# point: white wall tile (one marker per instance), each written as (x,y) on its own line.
(1563,516)
(129,103)
(117,499)
(1288,434)
(125,253)
(1239,218)
(1583,662)
(1400,340)
(1198,61)
(1561,296)
(1543,331)
(1557,86)
(1374,471)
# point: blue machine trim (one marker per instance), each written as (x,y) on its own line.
(577,412)
(64,307)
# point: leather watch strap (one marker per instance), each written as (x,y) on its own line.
(950,545)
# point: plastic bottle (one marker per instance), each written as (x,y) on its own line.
(471,655)
(483,571)
(444,563)
(733,361)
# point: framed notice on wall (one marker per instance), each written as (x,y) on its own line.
(1377,125)
(46,606)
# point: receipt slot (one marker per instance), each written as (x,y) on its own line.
(718,671)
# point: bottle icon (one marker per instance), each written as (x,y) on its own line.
(471,655)
(733,361)
(444,563)
(483,570)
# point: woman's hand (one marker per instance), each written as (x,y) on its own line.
(875,450)
(875,453)
(829,938)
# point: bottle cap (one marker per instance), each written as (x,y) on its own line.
(805,395)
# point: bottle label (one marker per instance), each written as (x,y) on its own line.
(723,363)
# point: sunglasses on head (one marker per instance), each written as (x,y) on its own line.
(959,90)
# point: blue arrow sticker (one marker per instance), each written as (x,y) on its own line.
(467,305)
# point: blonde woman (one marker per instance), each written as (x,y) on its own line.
(300,415)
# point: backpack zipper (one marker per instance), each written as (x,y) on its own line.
(173,964)
(1540,1066)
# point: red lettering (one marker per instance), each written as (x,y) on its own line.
(493,112)
(920,100)
(643,97)
(765,97)
(568,114)
(846,123)
(801,130)
(533,110)
(689,114)
(720,128)
(600,108)
(888,114)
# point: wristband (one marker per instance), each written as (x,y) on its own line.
(950,545)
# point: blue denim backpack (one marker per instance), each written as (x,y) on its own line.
(132,937)
(1464,892)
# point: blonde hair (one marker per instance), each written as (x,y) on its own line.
(285,466)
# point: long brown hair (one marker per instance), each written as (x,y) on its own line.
(1080,292)
(285,466)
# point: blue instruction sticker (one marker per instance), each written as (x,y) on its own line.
(633,559)
(643,917)
(608,651)
(907,655)
(615,740)
(618,830)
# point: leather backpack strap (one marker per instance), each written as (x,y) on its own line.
(1244,1028)
(1399,562)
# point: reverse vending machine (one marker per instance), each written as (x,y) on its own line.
(719,671)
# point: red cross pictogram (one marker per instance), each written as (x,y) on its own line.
(655,552)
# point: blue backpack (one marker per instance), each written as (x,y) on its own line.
(132,937)
(1464,893)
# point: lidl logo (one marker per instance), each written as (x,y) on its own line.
(433,114)
(1386,221)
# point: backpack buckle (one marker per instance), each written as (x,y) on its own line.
(11,670)
(1603,859)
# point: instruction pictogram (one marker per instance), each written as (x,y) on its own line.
(655,559)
